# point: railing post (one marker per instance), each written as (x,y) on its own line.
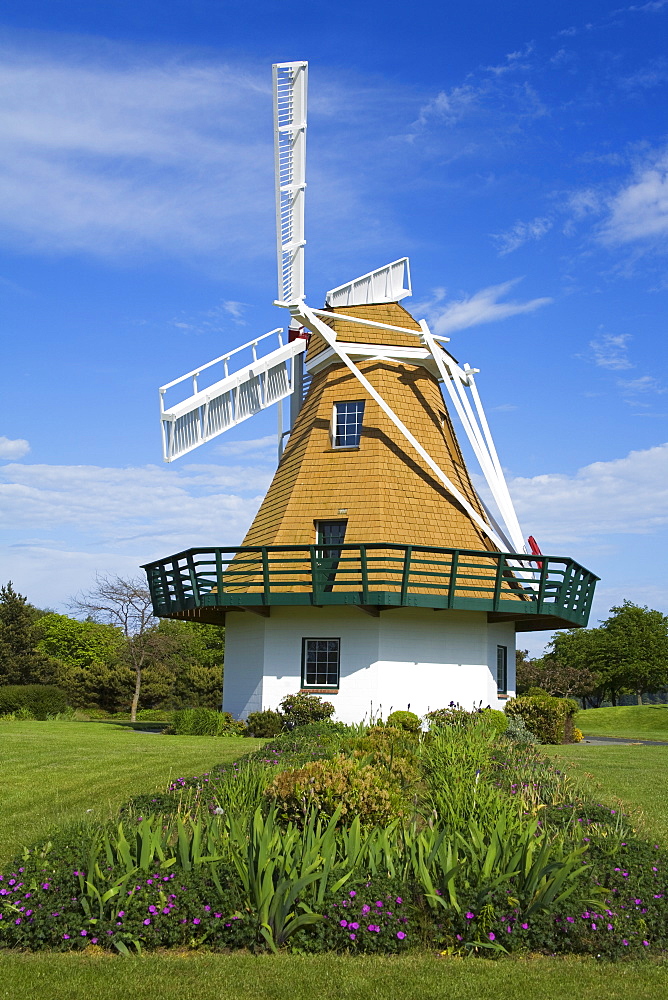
(315,574)
(452,587)
(266,584)
(500,567)
(178,582)
(541,586)
(193,578)
(220,586)
(365,575)
(405,577)
(166,591)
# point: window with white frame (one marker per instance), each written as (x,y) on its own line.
(502,669)
(321,662)
(347,423)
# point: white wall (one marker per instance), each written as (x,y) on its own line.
(407,656)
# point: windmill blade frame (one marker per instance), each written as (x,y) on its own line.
(290,96)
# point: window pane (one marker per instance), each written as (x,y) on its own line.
(502,668)
(321,662)
(348,423)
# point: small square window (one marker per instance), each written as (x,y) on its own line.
(347,424)
(502,669)
(321,662)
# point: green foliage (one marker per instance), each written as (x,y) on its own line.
(205,722)
(300,709)
(40,700)
(453,715)
(517,732)
(20,661)
(265,724)
(342,786)
(497,720)
(551,719)
(404,720)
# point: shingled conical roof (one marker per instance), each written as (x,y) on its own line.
(383,489)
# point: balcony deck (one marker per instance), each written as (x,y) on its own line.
(536,592)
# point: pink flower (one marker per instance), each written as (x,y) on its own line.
(147,922)
(401,935)
(470,916)
(352,936)
(343,923)
(491,936)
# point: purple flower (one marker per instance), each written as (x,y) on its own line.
(66,937)
(491,936)
(379,903)
(343,923)
(352,936)
(196,920)
(93,940)
(147,921)
(353,926)
(624,941)
(365,908)
(153,909)
(470,916)
(352,893)
(84,933)
(401,935)
(399,900)
(646,944)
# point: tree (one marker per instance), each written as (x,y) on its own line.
(126,604)
(89,658)
(20,661)
(637,642)
(555,677)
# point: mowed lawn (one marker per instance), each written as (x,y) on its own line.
(638,775)
(56,772)
(634,722)
(191,976)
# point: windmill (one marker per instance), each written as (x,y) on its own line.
(373,571)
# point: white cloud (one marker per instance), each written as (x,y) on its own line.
(610,351)
(624,496)
(147,507)
(639,210)
(520,233)
(645,383)
(107,155)
(482,307)
(13,448)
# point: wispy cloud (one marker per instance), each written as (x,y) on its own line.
(13,448)
(641,385)
(611,351)
(521,233)
(471,310)
(638,211)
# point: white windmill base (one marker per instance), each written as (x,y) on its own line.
(407,656)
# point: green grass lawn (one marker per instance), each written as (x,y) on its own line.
(643,722)
(638,775)
(325,977)
(55,772)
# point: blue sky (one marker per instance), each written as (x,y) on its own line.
(517,154)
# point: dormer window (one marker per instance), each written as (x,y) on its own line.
(347,424)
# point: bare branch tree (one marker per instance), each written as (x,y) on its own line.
(127,605)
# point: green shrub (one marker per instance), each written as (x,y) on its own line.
(550,719)
(39,699)
(264,725)
(536,692)
(356,789)
(516,731)
(300,709)
(154,715)
(453,715)
(205,722)
(496,720)
(404,720)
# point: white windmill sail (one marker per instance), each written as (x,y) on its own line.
(387,284)
(290,80)
(208,412)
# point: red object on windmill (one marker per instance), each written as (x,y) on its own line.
(535,549)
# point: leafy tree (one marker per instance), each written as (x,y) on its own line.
(189,669)
(556,677)
(89,657)
(637,641)
(629,652)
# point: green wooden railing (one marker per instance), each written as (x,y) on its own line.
(372,576)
